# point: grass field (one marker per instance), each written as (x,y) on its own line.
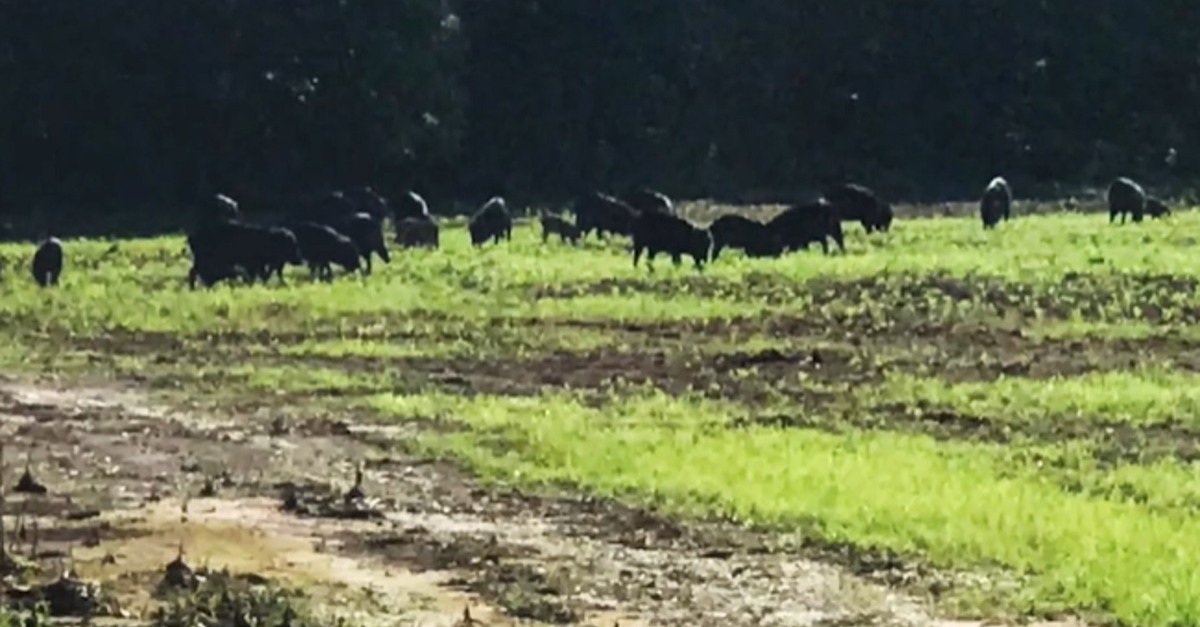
(1017,411)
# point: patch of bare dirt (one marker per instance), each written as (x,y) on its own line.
(797,368)
(827,342)
(442,542)
(674,372)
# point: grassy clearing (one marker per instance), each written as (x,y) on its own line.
(903,493)
(139,286)
(1049,318)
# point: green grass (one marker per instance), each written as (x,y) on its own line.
(1121,330)
(921,318)
(1140,398)
(1165,486)
(140,287)
(949,502)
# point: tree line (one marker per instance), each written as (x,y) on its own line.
(149,106)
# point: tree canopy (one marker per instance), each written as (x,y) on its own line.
(120,104)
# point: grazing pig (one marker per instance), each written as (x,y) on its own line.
(227,249)
(852,202)
(278,247)
(48,262)
(409,205)
(556,225)
(1156,208)
(417,232)
(214,258)
(659,233)
(1126,198)
(996,204)
(321,247)
(604,215)
(649,201)
(492,221)
(753,238)
(802,225)
(206,270)
(366,231)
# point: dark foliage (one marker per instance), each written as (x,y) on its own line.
(124,106)
(122,103)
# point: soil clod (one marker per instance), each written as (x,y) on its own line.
(356,493)
(28,485)
(321,502)
(81,515)
(466,621)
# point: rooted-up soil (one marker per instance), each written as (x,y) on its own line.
(678,355)
(811,371)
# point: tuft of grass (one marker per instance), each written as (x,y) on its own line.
(225,600)
(1142,397)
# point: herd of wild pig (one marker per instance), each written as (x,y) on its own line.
(346,229)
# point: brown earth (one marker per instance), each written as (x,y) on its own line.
(443,542)
(763,364)
(696,354)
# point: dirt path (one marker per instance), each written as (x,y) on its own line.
(443,543)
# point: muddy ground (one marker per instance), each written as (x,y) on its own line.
(129,482)
(822,360)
